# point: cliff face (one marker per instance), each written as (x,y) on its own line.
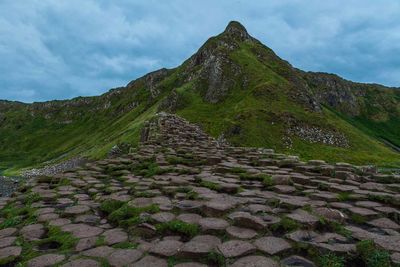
(234,87)
(352,98)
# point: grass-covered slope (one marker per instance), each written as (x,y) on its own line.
(233,86)
(258,114)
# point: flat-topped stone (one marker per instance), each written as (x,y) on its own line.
(297,261)
(245,219)
(200,246)
(235,248)
(150,261)
(255,261)
(99,252)
(82,263)
(191,218)
(210,224)
(115,236)
(303,217)
(384,223)
(74,210)
(33,232)
(272,245)
(241,233)
(7,232)
(46,260)
(166,248)
(81,230)
(10,252)
(123,257)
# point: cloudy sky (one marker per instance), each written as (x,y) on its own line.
(57,49)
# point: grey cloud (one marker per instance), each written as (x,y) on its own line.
(61,49)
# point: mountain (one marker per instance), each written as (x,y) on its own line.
(235,88)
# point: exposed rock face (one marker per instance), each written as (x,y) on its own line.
(351,98)
(216,73)
(314,134)
(151,81)
(334,92)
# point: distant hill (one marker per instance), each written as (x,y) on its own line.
(234,87)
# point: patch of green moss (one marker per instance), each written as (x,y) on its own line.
(331,260)
(358,218)
(178,227)
(111,205)
(148,168)
(125,245)
(371,255)
(285,225)
(15,214)
(344,196)
(127,215)
(210,185)
(216,259)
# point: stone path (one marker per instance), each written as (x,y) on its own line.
(182,199)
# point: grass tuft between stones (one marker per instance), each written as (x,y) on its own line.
(178,227)
(371,255)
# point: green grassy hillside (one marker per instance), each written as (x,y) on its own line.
(233,86)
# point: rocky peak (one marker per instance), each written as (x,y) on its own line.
(236,31)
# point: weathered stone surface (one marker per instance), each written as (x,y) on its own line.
(363,212)
(200,246)
(166,248)
(210,224)
(295,261)
(100,252)
(235,248)
(218,207)
(82,230)
(59,222)
(74,210)
(114,236)
(82,263)
(190,264)
(33,232)
(255,261)
(8,252)
(123,257)
(150,261)
(272,245)
(308,193)
(384,223)
(241,233)
(395,257)
(303,217)
(46,260)
(330,214)
(7,232)
(245,219)
(7,241)
(162,217)
(85,243)
(189,218)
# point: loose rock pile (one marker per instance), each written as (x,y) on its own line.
(183,199)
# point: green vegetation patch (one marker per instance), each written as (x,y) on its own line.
(148,168)
(125,215)
(371,255)
(210,185)
(285,225)
(15,214)
(331,260)
(178,227)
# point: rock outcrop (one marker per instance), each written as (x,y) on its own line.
(184,198)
